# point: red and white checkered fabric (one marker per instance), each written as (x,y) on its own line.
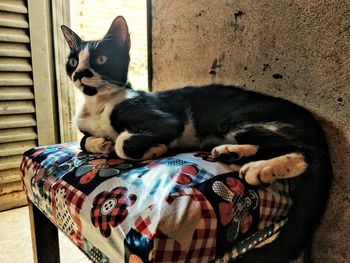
(73,200)
(203,245)
(274,203)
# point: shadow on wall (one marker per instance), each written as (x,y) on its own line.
(332,239)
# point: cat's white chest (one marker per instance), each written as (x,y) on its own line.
(97,121)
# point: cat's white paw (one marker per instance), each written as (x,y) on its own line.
(155,152)
(98,145)
(257,173)
(119,145)
(151,153)
(233,151)
(281,167)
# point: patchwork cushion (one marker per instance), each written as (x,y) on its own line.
(180,208)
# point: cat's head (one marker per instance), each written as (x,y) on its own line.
(102,65)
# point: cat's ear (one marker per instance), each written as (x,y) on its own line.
(72,38)
(119,32)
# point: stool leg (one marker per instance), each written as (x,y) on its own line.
(44,237)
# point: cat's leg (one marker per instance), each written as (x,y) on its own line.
(281,167)
(266,155)
(310,194)
(264,171)
(255,143)
(138,146)
(94,144)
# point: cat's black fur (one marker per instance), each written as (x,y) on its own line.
(215,111)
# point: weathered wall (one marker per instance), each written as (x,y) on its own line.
(295,49)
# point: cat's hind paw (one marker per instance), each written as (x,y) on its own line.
(257,173)
(98,145)
(233,152)
(267,171)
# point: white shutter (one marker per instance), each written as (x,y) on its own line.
(19,127)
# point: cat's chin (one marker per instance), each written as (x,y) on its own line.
(90,91)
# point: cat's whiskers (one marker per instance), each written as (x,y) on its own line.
(112,81)
(107,37)
(117,85)
(94,82)
(96,44)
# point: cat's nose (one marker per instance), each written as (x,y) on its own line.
(84,73)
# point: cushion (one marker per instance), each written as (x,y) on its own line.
(181,208)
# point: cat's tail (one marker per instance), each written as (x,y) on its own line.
(310,198)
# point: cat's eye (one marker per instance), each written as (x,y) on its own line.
(73,62)
(101,60)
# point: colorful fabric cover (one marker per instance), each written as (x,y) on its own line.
(181,208)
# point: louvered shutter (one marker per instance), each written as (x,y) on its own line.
(17,110)
(18,105)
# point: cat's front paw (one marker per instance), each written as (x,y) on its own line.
(155,152)
(233,152)
(98,145)
(151,153)
(135,147)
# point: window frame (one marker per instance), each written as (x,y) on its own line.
(65,92)
(40,31)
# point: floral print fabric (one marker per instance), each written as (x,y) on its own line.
(110,209)
(182,208)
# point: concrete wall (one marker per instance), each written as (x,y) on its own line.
(295,49)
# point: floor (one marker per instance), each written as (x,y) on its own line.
(15,237)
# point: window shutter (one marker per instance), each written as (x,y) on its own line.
(17,110)
(19,126)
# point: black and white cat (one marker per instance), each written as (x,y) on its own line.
(271,137)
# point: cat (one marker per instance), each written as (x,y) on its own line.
(270,137)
